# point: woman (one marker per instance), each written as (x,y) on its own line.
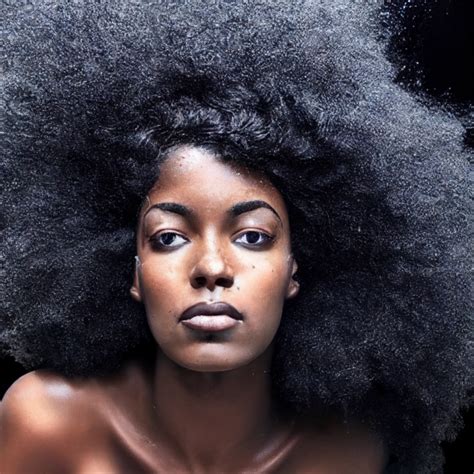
(299,296)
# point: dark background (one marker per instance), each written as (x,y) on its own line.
(433,46)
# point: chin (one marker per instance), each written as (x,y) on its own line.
(213,359)
(213,364)
(210,367)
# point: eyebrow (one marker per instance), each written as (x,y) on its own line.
(236,210)
(172,207)
(247,206)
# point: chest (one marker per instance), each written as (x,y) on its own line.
(302,456)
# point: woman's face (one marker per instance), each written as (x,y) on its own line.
(218,235)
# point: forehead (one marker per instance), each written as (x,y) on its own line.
(198,178)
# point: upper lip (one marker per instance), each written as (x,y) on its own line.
(211,309)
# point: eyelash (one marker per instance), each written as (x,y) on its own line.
(157,245)
(267,239)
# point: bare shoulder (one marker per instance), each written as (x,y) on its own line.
(40,416)
(45,401)
(339,449)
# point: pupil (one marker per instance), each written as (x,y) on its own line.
(167,238)
(252,237)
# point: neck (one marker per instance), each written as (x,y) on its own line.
(207,417)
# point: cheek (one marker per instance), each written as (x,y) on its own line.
(268,278)
(160,298)
(160,283)
(262,293)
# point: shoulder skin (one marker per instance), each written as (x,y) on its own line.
(47,425)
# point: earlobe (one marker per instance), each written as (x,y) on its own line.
(135,288)
(293,289)
(293,285)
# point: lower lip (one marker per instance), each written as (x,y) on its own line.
(215,323)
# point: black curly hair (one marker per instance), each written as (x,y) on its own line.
(375,180)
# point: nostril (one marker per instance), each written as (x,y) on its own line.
(224,282)
(200,282)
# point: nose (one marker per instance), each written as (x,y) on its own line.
(212,269)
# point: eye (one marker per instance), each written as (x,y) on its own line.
(167,240)
(253,238)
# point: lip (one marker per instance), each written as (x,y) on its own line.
(213,317)
(213,309)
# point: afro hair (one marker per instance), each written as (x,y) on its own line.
(375,179)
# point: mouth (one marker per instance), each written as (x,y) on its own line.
(213,317)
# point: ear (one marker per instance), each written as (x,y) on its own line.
(293,286)
(135,288)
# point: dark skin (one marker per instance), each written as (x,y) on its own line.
(208,232)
